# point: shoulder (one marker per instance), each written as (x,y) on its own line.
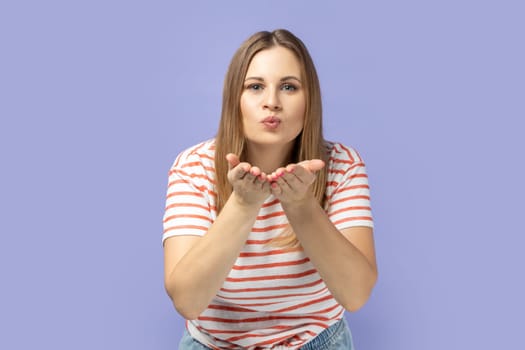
(200,155)
(345,167)
(196,164)
(347,176)
(341,156)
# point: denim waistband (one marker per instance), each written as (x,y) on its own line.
(323,340)
(326,337)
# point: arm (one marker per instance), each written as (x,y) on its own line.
(196,267)
(344,259)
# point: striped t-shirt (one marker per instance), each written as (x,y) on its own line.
(271,296)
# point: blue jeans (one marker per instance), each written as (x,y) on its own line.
(336,337)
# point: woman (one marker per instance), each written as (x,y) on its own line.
(268,229)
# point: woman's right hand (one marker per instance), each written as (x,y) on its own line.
(249,182)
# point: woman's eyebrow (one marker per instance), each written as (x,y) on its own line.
(254,78)
(288,77)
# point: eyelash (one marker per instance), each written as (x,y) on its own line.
(285,87)
(289,87)
(254,87)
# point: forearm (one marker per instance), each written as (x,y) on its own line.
(201,272)
(348,274)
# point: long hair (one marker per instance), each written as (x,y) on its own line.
(309,144)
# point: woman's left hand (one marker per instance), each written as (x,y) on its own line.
(292,183)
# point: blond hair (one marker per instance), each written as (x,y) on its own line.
(309,144)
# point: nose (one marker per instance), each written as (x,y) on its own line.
(271,100)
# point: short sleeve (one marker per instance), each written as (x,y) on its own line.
(188,207)
(348,191)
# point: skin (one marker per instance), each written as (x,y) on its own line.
(196,267)
(272,87)
(345,259)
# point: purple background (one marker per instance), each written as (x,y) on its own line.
(98,97)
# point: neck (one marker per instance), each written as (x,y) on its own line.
(269,157)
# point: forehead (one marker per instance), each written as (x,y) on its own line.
(277,61)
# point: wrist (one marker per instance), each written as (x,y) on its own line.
(303,206)
(244,204)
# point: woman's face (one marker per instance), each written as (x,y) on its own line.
(273,100)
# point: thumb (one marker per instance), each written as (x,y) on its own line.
(233,160)
(313,165)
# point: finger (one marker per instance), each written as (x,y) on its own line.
(290,168)
(255,171)
(276,174)
(301,176)
(249,177)
(294,178)
(315,165)
(233,160)
(276,189)
(263,177)
(265,185)
(283,184)
(238,172)
(242,170)
(312,165)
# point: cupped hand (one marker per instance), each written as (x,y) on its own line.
(292,183)
(249,183)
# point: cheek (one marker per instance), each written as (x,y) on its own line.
(300,110)
(247,107)
(242,105)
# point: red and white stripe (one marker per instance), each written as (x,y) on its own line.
(271,296)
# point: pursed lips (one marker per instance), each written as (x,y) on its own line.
(271,119)
(271,122)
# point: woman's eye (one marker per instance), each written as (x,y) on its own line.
(289,87)
(255,87)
